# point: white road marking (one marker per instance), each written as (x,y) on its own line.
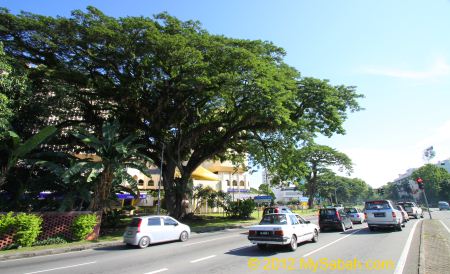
(446,227)
(205,241)
(41,256)
(58,268)
(202,259)
(157,271)
(402,260)
(327,245)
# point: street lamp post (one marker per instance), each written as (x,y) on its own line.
(160,179)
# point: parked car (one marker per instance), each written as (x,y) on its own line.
(355,215)
(412,209)
(276,209)
(334,218)
(146,230)
(283,229)
(443,205)
(382,213)
(404,213)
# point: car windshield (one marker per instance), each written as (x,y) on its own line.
(135,222)
(328,212)
(351,210)
(377,205)
(276,219)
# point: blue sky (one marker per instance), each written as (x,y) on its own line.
(396,52)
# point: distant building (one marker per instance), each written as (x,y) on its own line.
(407,186)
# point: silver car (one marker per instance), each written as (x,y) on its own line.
(146,230)
(355,214)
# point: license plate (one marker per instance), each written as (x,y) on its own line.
(264,233)
(129,232)
(379,214)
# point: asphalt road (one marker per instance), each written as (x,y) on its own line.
(353,251)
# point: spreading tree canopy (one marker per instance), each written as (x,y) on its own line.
(190,94)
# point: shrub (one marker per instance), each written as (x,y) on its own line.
(51,241)
(6,221)
(242,209)
(83,225)
(28,227)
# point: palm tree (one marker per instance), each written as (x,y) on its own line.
(109,169)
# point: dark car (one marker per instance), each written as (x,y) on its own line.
(334,218)
(276,209)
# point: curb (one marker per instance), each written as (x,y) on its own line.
(53,251)
(422,250)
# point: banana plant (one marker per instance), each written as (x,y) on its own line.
(12,149)
(108,170)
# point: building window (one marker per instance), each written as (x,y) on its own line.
(235,183)
(140,182)
(242,183)
(228,183)
(151,183)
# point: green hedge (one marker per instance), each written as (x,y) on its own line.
(83,225)
(27,227)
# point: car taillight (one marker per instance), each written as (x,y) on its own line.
(278,233)
(393,215)
(252,233)
(337,214)
(276,210)
(139,226)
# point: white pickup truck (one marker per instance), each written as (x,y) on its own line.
(412,209)
(283,229)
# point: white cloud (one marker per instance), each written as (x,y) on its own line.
(377,166)
(439,68)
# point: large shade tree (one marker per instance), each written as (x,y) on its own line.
(190,94)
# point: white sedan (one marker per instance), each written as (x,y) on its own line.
(146,230)
(283,229)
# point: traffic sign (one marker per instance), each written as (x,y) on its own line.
(263,199)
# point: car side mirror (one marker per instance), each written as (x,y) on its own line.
(176,224)
(307,222)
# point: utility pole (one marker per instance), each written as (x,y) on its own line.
(160,179)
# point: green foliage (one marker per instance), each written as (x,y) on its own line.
(240,209)
(83,225)
(51,241)
(201,95)
(6,222)
(28,228)
(436,182)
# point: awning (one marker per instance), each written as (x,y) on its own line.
(201,173)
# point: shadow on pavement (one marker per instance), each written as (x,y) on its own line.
(254,251)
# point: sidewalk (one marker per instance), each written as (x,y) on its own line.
(51,251)
(434,248)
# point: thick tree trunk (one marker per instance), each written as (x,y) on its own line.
(102,190)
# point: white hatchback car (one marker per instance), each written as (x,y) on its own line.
(146,230)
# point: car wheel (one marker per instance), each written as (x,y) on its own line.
(315,237)
(184,236)
(371,228)
(399,227)
(144,242)
(293,243)
(262,246)
(342,226)
(421,216)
